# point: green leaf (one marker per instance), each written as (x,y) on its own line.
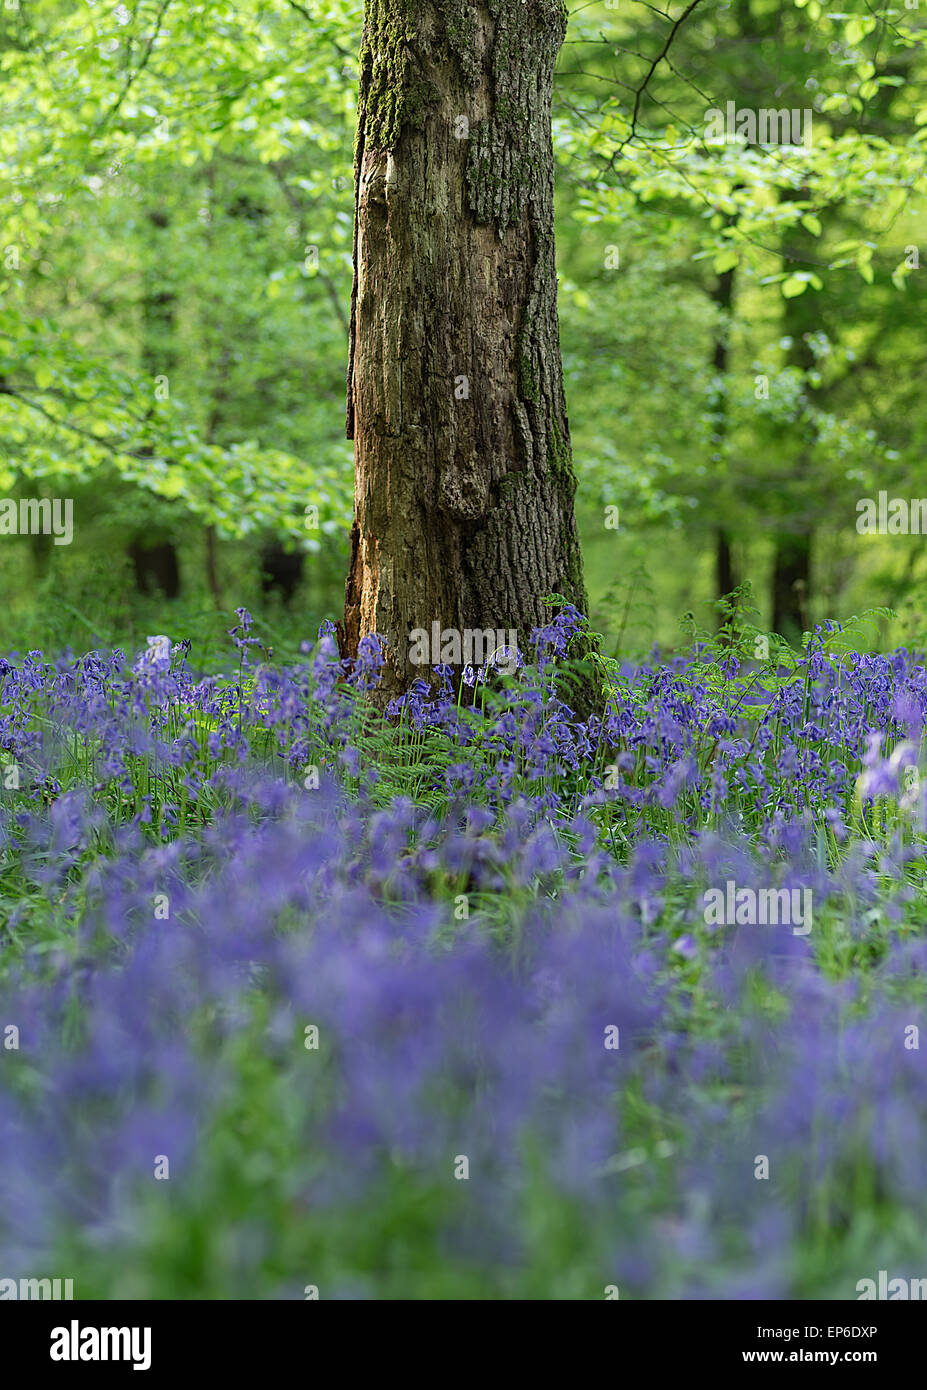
(725,260)
(794,285)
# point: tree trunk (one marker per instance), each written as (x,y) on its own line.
(212,567)
(725,578)
(213,424)
(790,584)
(156,568)
(791,575)
(154,555)
(464,480)
(723,298)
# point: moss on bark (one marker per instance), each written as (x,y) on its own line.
(395,93)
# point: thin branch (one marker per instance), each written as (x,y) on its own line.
(108,115)
(653,67)
(111,445)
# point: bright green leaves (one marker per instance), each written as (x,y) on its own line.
(796,283)
(180,109)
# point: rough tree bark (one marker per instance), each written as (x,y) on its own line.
(464,481)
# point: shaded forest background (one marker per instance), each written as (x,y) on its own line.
(742,326)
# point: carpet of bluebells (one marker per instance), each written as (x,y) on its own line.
(295,996)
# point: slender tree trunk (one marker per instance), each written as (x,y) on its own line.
(724,563)
(158,305)
(154,556)
(723,297)
(791,576)
(790,584)
(212,567)
(464,481)
(213,425)
(791,580)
